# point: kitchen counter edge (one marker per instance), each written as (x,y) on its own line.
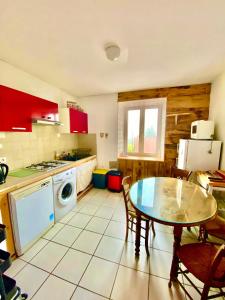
(13,183)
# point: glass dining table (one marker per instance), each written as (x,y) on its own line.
(172,202)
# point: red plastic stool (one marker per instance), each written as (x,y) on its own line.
(114,181)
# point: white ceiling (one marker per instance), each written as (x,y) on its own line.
(163,42)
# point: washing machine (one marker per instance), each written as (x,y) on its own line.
(65,195)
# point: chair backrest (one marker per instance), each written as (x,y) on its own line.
(216,274)
(126,184)
(179,173)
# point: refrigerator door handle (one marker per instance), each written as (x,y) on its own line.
(211,147)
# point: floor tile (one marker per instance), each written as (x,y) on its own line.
(116,230)
(160,263)
(53,231)
(79,205)
(119,216)
(110,249)
(87,241)
(110,202)
(189,234)
(49,256)
(27,256)
(67,217)
(96,201)
(89,209)
(104,212)
(80,220)
(163,241)
(72,266)
(16,267)
(102,281)
(194,294)
(163,228)
(97,225)
(67,235)
(197,282)
(82,294)
(130,284)
(55,289)
(158,290)
(213,293)
(129,259)
(30,279)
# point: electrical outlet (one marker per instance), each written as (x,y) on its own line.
(3,160)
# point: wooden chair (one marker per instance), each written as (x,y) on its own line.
(206,261)
(216,228)
(179,173)
(131,214)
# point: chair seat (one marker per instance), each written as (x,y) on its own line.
(133,214)
(216,228)
(197,258)
(217,233)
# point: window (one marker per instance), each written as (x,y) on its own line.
(143,124)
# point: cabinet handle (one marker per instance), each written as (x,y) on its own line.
(84,131)
(75,131)
(18,128)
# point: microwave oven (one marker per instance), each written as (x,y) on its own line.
(202,130)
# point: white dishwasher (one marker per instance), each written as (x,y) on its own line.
(32,213)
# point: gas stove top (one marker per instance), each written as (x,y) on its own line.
(47,165)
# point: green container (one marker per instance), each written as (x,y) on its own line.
(100,178)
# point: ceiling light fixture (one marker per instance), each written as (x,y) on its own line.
(112,52)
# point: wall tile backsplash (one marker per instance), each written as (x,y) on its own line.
(24,148)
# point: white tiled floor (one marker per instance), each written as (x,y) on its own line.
(85,257)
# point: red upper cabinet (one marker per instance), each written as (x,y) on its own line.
(84,122)
(18,109)
(74,121)
(15,110)
(44,109)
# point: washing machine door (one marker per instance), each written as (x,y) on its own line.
(66,192)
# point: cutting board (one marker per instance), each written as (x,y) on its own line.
(22,173)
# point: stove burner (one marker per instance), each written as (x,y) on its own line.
(46,165)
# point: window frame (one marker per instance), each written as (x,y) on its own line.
(142,109)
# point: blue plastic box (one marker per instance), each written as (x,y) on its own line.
(100,178)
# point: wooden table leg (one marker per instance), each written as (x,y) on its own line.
(138,234)
(177,231)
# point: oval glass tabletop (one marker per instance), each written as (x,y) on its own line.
(172,201)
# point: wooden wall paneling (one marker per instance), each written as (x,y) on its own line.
(189,90)
(185,104)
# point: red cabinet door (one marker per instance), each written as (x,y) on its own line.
(78,121)
(44,109)
(15,110)
(84,122)
(74,120)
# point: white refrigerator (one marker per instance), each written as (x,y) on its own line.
(199,155)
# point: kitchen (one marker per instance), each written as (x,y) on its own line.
(63,75)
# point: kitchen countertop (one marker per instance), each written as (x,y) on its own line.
(202,178)
(14,183)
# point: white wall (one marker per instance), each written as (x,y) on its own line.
(102,117)
(217,111)
(15,78)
